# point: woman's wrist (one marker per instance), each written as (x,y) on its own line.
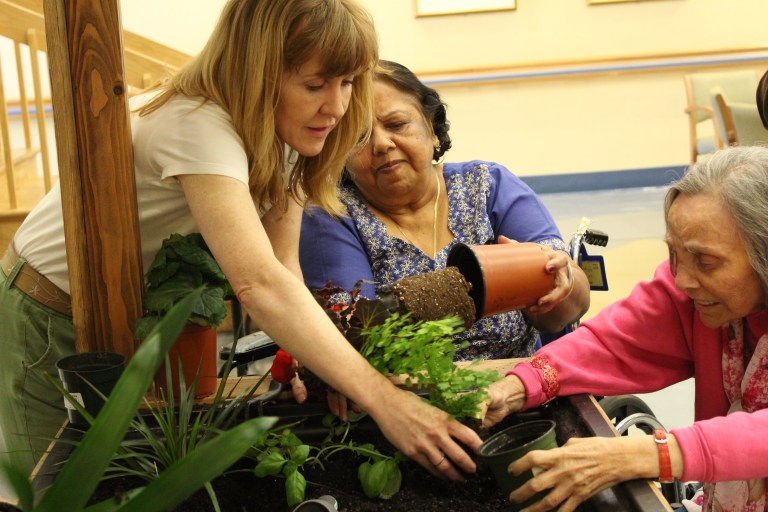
(514,392)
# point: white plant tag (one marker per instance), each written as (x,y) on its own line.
(76,396)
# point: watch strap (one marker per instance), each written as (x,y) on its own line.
(665,462)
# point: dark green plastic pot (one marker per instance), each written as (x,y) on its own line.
(505,447)
(81,373)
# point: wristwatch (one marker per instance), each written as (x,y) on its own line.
(665,463)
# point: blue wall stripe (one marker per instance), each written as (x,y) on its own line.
(587,70)
(605,180)
(32,110)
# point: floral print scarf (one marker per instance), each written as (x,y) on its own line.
(745,377)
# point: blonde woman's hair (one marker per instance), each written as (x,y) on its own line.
(240,69)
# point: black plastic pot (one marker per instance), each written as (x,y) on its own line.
(505,447)
(81,373)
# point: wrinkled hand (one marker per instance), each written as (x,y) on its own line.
(426,434)
(582,468)
(505,397)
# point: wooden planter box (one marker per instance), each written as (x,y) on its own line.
(577,416)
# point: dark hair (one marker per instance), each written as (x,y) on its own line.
(432,106)
(762,99)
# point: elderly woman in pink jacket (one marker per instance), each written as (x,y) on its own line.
(703,315)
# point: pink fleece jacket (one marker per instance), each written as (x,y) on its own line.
(646,342)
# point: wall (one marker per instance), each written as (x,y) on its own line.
(545,125)
(539,126)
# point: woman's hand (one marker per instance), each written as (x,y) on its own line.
(569,298)
(559,264)
(506,396)
(426,434)
(340,404)
(298,389)
(582,468)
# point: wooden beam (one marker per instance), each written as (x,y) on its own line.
(96,171)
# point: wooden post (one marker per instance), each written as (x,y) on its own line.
(85,57)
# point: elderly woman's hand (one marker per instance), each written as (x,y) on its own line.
(505,396)
(582,468)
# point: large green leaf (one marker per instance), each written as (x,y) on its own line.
(19,483)
(85,467)
(201,465)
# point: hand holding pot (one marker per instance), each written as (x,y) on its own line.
(584,467)
(426,434)
(568,297)
(558,265)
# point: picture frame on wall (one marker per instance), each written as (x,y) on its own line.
(596,2)
(445,7)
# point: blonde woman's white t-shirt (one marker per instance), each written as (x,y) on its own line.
(185,136)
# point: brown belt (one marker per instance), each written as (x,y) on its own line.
(36,286)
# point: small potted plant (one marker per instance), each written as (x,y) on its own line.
(85,467)
(183,264)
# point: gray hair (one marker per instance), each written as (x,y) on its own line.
(739,177)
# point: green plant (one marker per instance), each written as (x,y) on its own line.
(183,264)
(423,353)
(82,472)
(181,429)
(283,453)
(420,351)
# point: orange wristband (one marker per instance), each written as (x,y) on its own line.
(665,463)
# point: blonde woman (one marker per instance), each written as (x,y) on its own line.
(231,147)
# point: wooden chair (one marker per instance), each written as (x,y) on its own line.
(738,124)
(740,87)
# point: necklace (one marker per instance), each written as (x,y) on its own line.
(434,223)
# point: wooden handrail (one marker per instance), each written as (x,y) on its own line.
(23,23)
(145,60)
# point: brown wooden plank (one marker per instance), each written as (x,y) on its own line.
(96,171)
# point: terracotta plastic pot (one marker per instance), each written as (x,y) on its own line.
(504,277)
(505,447)
(195,348)
(81,373)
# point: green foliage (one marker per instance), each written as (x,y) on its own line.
(282,453)
(82,472)
(423,353)
(183,264)
(181,429)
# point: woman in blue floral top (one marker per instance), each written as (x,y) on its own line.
(407,209)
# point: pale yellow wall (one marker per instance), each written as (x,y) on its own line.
(610,122)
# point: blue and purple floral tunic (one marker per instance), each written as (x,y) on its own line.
(485,200)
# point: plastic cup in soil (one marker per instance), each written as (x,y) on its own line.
(322,504)
(81,373)
(505,447)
